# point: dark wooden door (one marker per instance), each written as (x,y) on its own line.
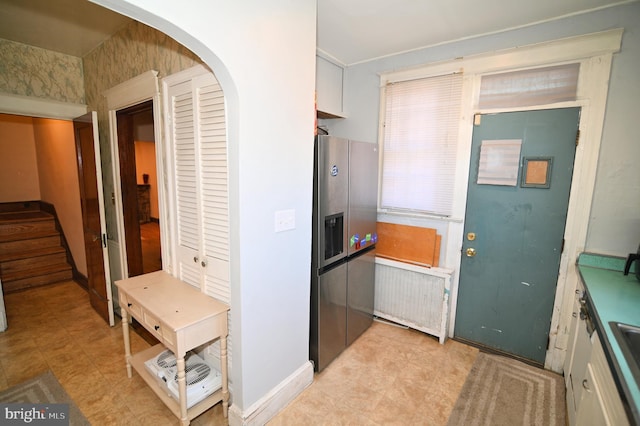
(129,186)
(93,227)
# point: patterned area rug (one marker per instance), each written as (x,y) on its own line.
(43,389)
(504,391)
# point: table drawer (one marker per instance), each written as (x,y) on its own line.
(130,305)
(153,324)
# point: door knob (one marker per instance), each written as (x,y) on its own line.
(471,252)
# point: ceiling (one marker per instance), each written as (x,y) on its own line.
(349,31)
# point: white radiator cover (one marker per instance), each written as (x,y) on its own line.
(414,296)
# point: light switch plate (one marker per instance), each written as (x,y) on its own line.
(285,220)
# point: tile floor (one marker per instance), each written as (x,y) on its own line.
(388,376)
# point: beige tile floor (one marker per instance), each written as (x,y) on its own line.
(388,376)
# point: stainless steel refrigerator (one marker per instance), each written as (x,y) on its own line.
(343,249)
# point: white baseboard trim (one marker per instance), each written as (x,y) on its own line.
(275,400)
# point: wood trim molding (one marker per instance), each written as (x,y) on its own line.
(136,90)
(39,107)
(552,52)
(133,91)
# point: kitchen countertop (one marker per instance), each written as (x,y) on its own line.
(613,296)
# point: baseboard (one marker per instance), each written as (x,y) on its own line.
(274,401)
(79,278)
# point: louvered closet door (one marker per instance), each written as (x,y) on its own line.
(200,187)
(214,196)
(185,183)
(200,182)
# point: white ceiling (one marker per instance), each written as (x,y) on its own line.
(349,31)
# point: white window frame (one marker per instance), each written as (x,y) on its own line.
(594,52)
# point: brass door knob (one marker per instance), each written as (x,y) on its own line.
(471,252)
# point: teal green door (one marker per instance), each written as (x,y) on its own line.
(519,183)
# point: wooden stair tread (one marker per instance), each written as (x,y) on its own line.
(36,281)
(44,251)
(32,272)
(28,235)
(27,216)
(32,249)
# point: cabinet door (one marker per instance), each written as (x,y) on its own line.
(582,354)
(608,395)
(329,87)
(569,362)
(590,411)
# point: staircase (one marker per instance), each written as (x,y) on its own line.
(31,251)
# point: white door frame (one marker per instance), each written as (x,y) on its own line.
(594,52)
(103,223)
(143,88)
(37,107)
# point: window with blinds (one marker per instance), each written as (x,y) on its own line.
(420,138)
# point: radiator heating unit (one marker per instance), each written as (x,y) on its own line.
(413,296)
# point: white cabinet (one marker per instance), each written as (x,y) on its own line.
(592,397)
(578,354)
(329,88)
(603,389)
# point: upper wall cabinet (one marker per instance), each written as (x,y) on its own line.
(329,88)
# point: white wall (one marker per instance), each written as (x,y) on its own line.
(614,227)
(263,53)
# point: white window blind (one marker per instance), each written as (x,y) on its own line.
(538,86)
(420,143)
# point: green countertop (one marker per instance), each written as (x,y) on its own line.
(613,297)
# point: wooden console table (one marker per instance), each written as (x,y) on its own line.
(181,318)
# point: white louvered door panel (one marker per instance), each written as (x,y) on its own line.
(185,177)
(213,180)
(214,196)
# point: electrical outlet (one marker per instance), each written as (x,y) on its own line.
(285,220)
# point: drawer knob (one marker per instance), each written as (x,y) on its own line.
(157,327)
(195,259)
(129,305)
